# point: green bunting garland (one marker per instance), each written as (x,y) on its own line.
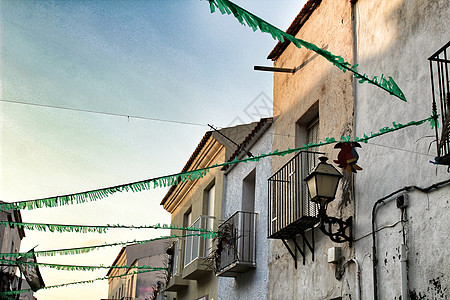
(244,17)
(87,249)
(76,268)
(77,282)
(194,174)
(92,229)
(99,194)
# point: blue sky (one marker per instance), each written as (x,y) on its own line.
(166,59)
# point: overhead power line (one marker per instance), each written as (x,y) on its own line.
(103,113)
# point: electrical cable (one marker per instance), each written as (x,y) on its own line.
(175,179)
(103,113)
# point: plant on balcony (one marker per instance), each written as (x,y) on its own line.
(224,239)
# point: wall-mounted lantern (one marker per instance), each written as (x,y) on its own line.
(322,185)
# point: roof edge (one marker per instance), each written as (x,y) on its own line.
(188,164)
(294,28)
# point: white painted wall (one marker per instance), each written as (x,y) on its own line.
(254,283)
(395,38)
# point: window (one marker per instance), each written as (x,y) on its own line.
(248,192)
(312,136)
(189,240)
(210,221)
(290,211)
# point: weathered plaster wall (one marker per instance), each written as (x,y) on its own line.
(395,37)
(320,82)
(254,283)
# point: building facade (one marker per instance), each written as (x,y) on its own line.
(198,204)
(399,200)
(397,38)
(313,103)
(131,285)
(10,240)
(242,263)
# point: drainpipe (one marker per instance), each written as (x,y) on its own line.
(404,265)
(355,58)
(402,203)
(374,247)
(357,277)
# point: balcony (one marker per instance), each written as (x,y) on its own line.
(237,244)
(439,68)
(290,211)
(197,250)
(175,281)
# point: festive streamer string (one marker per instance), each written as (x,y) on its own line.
(191,175)
(87,249)
(93,228)
(245,17)
(76,282)
(76,267)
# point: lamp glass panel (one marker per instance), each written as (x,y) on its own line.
(326,185)
(311,182)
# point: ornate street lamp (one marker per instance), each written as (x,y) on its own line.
(322,185)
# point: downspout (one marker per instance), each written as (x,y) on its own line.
(404,266)
(403,255)
(355,95)
(357,277)
(355,58)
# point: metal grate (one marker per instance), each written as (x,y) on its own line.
(440,88)
(290,211)
(238,247)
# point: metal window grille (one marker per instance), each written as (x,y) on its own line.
(440,88)
(238,244)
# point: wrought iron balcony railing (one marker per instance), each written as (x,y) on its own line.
(440,88)
(237,244)
(290,211)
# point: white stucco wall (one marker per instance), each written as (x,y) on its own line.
(254,283)
(395,38)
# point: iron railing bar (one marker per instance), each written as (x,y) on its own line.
(441,146)
(434,108)
(443,104)
(439,51)
(446,69)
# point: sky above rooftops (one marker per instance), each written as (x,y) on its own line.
(170,60)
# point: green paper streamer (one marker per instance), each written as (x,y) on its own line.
(76,282)
(91,228)
(251,20)
(76,267)
(99,194)
(87,249)
(194,174)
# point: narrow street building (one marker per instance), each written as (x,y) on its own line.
(243,247)
(394,208)
(198,203)
(135,283)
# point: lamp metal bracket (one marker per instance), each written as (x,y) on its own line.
(338,236)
